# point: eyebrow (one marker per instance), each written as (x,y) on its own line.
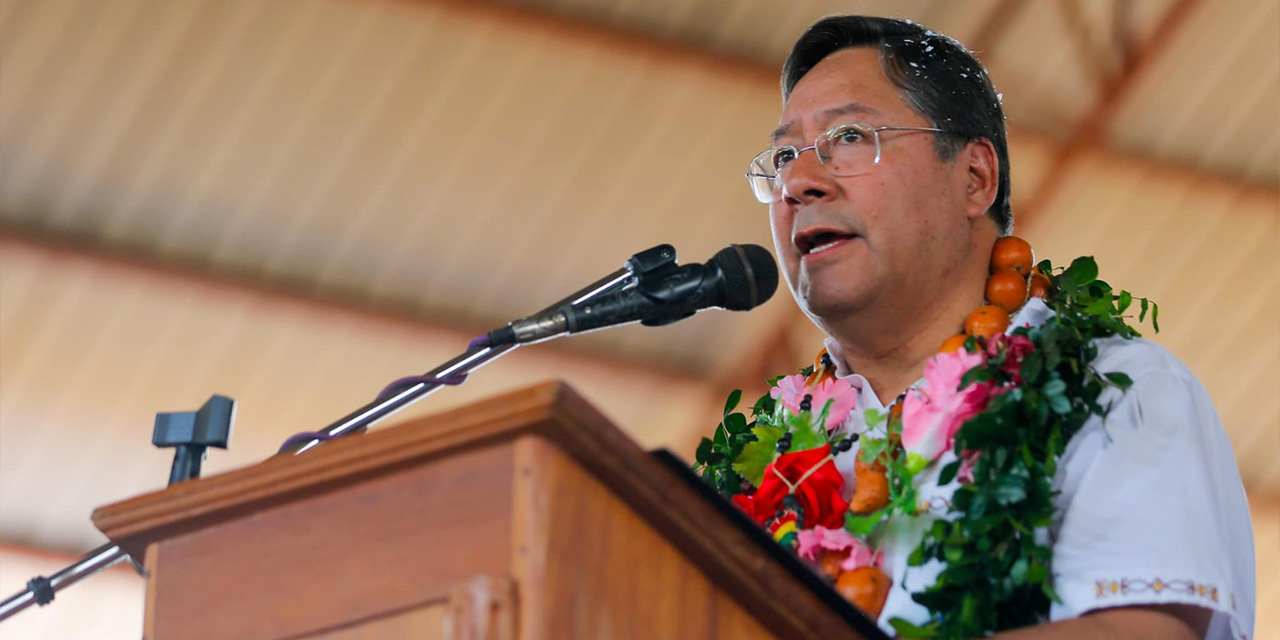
(824,116)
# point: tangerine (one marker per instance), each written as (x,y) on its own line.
(986,321)
(870,488)
(1011,252)
(866,588)
(953,344)
(1040,285)
(1007,289)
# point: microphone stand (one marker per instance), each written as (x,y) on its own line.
(462,365)
(41,590)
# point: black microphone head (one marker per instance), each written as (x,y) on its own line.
(750,275)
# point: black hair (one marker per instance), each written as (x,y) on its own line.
(937,77)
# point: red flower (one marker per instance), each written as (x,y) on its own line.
(818,495)
(1015,350)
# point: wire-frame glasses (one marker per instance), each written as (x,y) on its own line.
(845,150)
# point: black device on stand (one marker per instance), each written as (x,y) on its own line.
(190,433)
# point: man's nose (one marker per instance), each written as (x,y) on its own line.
(807,180)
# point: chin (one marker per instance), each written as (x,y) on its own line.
(826,308)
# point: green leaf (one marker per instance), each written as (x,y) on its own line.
(874,419)
(1018,573)
(916,558)
(871,449)
(763,406)
(949,473)
(1037,573)
(906,629)
(1123,303)
(1099,307)
(735,423)
(1054,387)
(1060,404)
(757,455)
(862,525)
(1119,379)
(704,450)
(1155,317)
(732,401)
(1047,588)
(1032,365)
(805,433)
(727,482)
(1082,271)
(1143,304)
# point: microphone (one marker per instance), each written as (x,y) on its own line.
(737,278)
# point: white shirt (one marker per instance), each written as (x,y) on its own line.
(1151,508)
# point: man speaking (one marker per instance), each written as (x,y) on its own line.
(1047,473)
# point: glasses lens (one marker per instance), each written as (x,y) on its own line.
(849,149)
(764,188)
(763,176)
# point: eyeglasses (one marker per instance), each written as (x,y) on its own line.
(845,150)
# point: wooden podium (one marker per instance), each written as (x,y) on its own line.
(528,516)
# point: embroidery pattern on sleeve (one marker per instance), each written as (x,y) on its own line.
(1125,586)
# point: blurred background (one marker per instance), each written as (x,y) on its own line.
(293,202)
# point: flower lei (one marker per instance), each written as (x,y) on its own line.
(1004,404)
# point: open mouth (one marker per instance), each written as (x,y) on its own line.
(820,242)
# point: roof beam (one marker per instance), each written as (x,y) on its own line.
(1090,133)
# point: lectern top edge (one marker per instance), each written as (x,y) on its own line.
(197,503)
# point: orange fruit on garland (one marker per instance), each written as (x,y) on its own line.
(866,588)
(870,488)
(953,344)
(1040,285)
(1011,252)
(1007,289)
(986,321)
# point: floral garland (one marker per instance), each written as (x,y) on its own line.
(1004,403)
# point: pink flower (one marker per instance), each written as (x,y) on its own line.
(933,412)
(811,541)
(791,391)
(1015,349)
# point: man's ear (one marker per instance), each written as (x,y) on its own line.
(982,178)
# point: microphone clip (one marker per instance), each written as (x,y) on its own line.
(659,279)
(652,263)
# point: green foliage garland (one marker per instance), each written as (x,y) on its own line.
(997,573)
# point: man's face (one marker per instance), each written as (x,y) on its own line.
(888,238)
